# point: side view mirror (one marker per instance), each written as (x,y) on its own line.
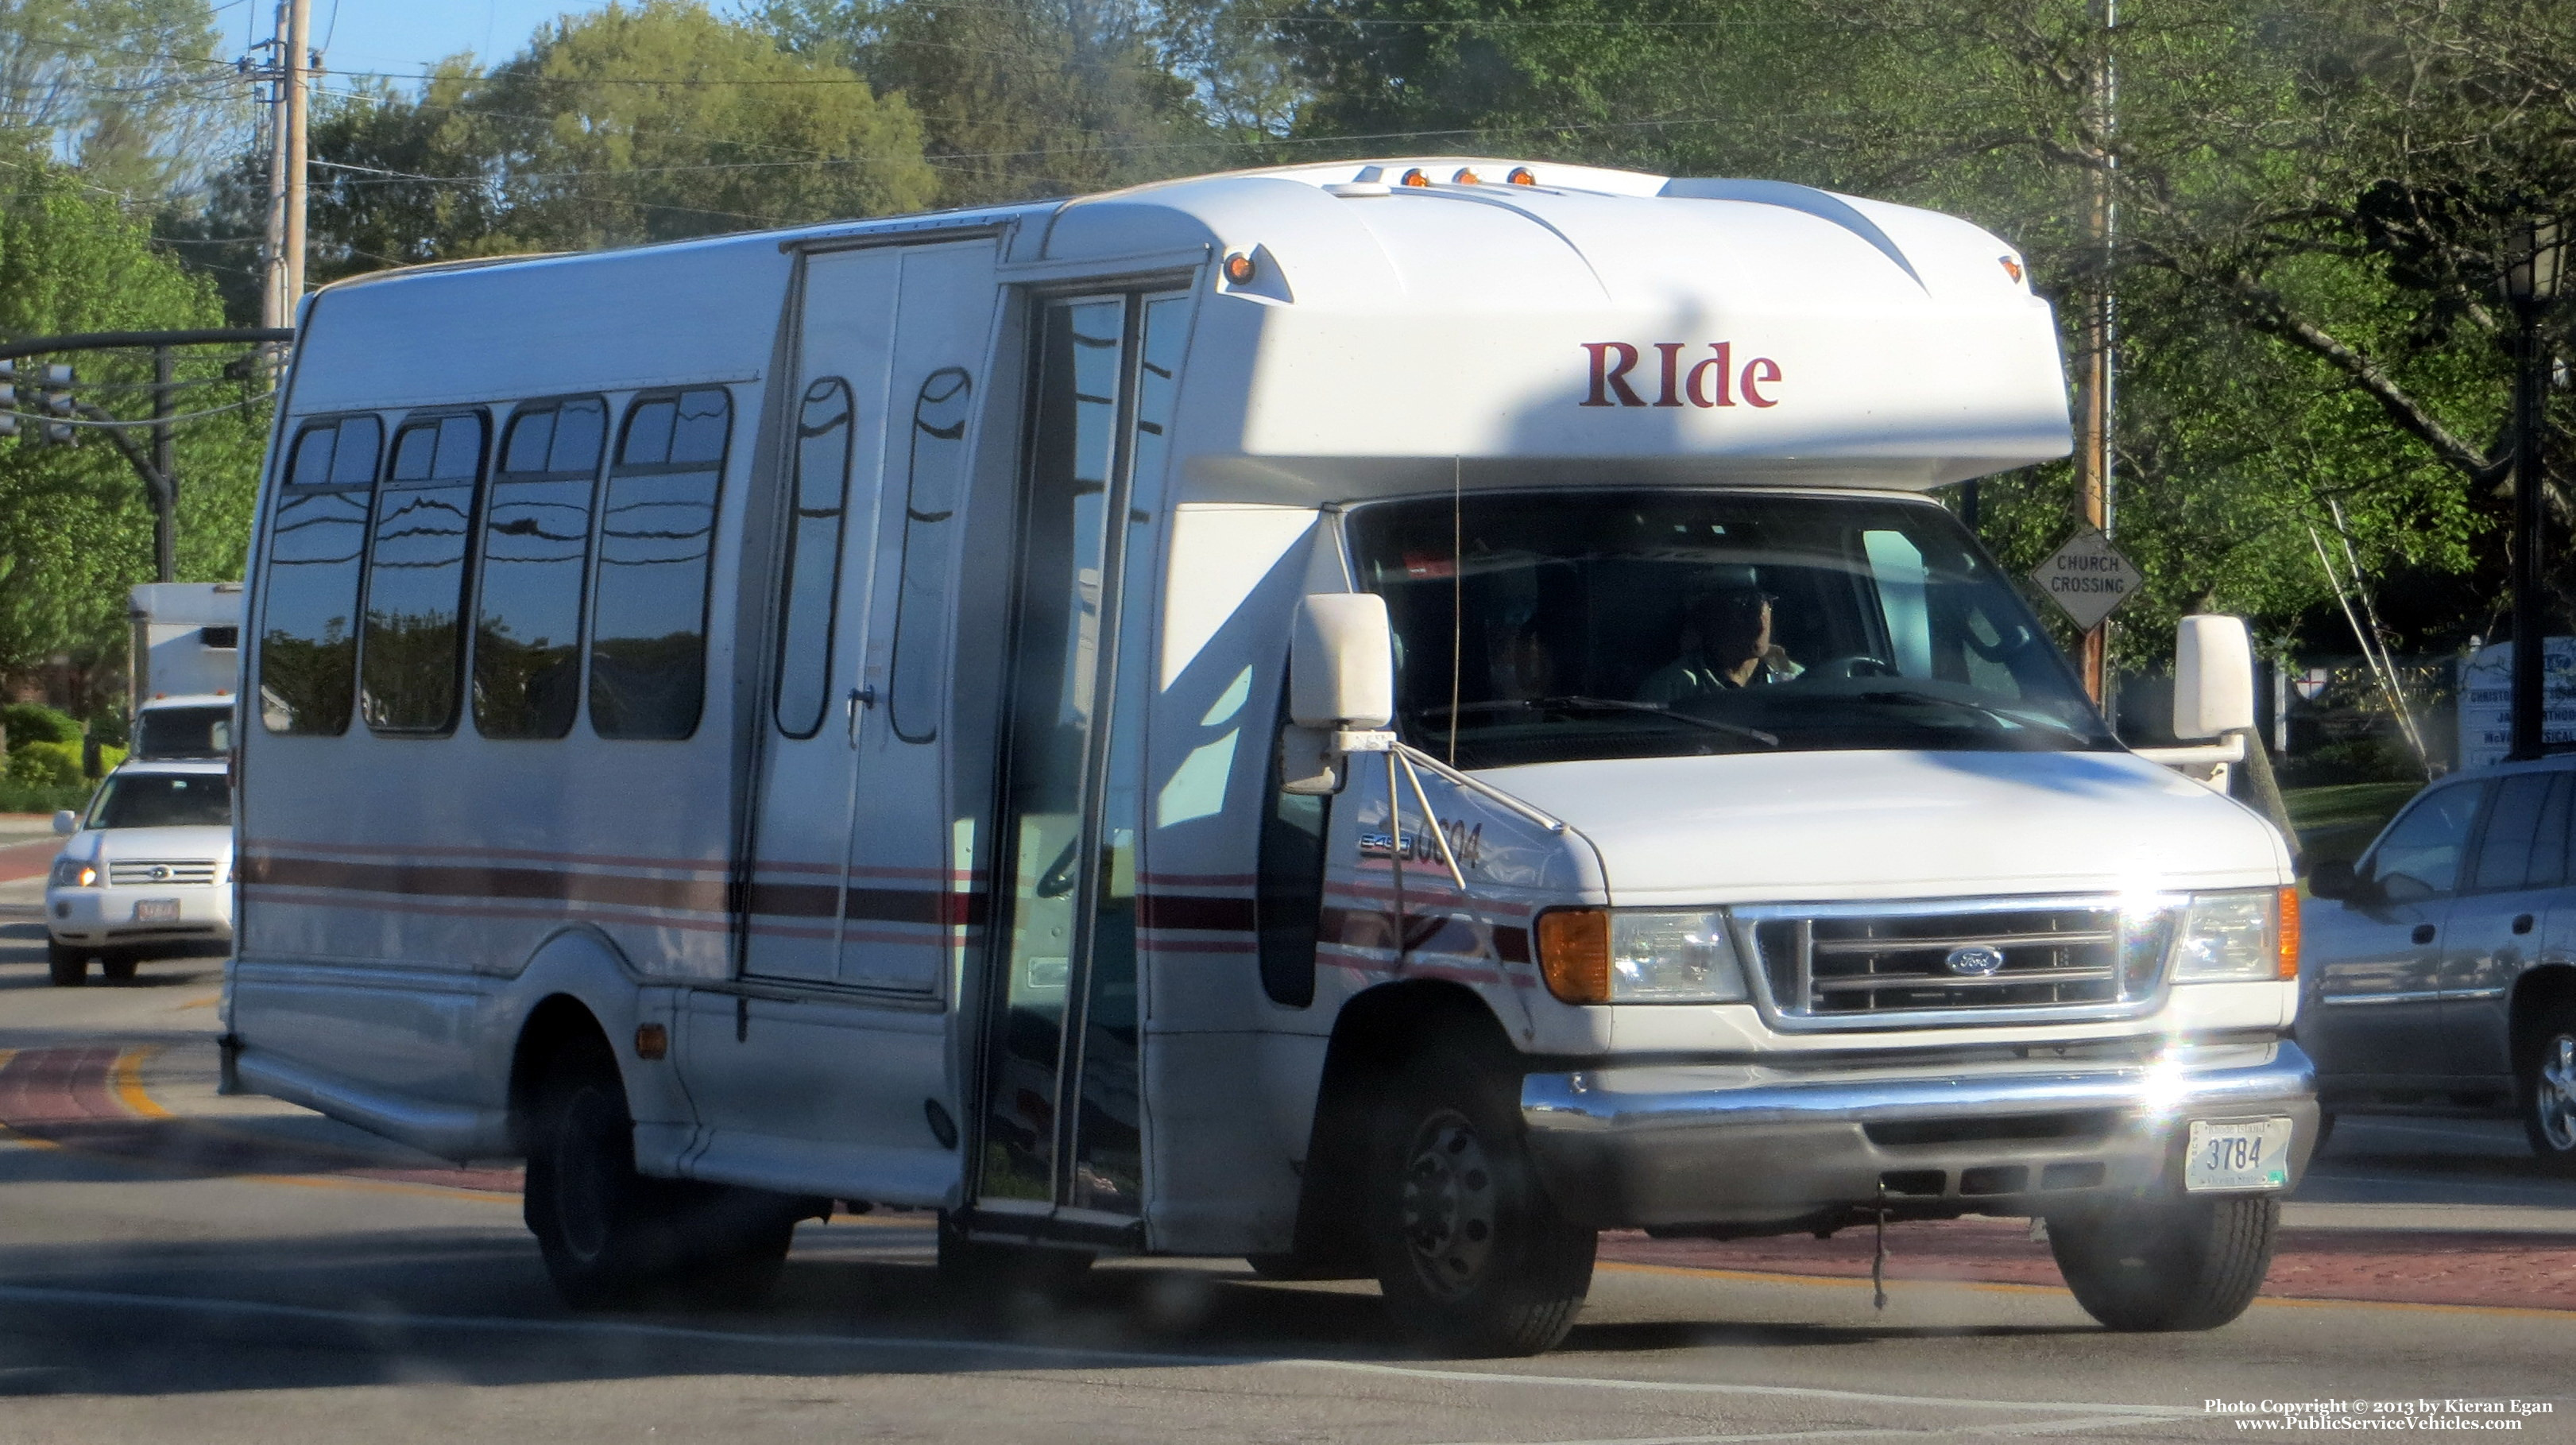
(1341,663)
(66,822)
(2213,677)
(2335,879)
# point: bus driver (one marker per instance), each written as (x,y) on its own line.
(1727,647)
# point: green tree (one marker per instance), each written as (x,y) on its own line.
(130,90)
(1018,99)
(75,528)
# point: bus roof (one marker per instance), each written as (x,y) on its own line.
(1402,317)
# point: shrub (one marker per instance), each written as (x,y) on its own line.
(17,797)
(33,722)
(46,764)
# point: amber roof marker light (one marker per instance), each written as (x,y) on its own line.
(1416,177)
(1240,268)
(1522,176)
(1466,177)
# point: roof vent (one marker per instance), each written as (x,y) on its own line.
(1357,188)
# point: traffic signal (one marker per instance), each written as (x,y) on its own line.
(56,402)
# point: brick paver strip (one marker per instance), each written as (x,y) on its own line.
(28,860)
(63,1096)
(2386,1265)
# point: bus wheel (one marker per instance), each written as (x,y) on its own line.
(2171,1264)
(1471,1255)
(605,1230)
(65,966)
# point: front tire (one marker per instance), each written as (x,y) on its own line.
(2547,1092)
(1472,1256)
(65,966)
(2168,1264)
(117,967)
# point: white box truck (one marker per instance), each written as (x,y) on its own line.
(186,667)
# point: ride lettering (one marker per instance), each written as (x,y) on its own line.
(1681,377)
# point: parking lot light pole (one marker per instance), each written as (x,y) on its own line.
(2530,283)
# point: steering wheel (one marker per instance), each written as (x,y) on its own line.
(1856,665)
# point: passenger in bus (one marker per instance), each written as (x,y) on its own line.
(1727,646)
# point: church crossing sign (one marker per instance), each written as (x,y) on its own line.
(2088,578)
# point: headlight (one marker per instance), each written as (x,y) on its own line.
(74,873)
(2237,936)
(1639,955)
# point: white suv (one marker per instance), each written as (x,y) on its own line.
(146,873)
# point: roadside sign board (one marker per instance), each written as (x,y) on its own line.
(2486,700)
(2088,578)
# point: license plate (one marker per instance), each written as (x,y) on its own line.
(156,910)
(2254,1154)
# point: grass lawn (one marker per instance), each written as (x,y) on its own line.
(2340,821)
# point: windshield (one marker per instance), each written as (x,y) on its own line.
(1652,624)
(183,732)
(163,800)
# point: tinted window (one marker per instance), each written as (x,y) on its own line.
(308,650)
(934,481)
(183,732)
(414,648)
(2419,856)
(2524,842)
(536,545)
(1550,626)
(161,800)
(808,591)
(656,534)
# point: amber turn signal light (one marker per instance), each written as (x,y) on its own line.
(1239,269)
(1574,953)
(2289,933)
(652,1041)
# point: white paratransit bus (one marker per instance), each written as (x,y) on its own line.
(1382,718)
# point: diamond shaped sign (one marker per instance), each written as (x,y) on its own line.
(2088,578)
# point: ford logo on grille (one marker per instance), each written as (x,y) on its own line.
(1974,960)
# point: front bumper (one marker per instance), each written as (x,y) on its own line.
(103,916)
(1749,1149)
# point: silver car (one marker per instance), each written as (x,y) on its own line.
(146,872)
(2438,973)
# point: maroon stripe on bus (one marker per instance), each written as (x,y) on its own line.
(1197,911)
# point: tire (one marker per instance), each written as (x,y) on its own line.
(2167,1264)
(1471,1255)
(2546,1091)
(65,966)
(612,1237)
(117,967)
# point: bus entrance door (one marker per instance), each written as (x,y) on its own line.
(1061,1118)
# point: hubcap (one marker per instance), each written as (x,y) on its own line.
(2555,1100)
(1448,1203)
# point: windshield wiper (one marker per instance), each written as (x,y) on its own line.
(1603,704)
(2008,719)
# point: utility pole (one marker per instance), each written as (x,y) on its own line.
(2094,377)
(165,511)
(282,277)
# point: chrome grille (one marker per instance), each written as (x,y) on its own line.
(166,872)
(1868,967)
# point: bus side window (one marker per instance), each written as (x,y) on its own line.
(648,632)
(412,657)
(937,474)
(536,549)
(309,638)
(812,586)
